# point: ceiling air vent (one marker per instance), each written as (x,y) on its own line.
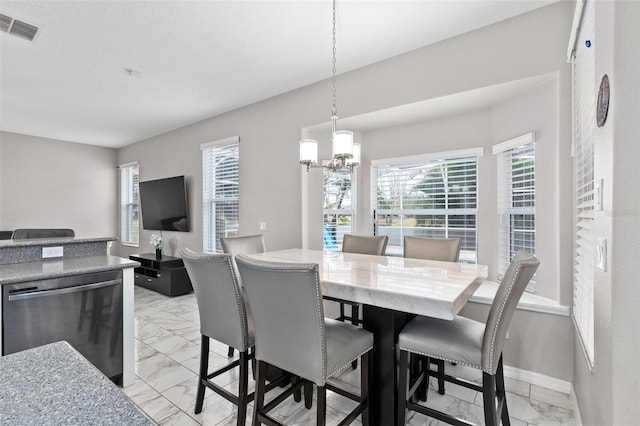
(18,28)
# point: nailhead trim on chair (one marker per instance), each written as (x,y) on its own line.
(303,266)
(440,357)
(494,331)
(236,290)
(348,364)
(493,334)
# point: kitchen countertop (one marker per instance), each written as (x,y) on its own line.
(46,269)
(54,384)
(51,241)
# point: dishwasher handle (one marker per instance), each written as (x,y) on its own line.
(66,290)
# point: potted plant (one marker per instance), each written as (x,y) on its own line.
(156,241)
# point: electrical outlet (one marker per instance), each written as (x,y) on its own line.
(49,252)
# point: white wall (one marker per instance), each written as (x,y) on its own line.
(46,183)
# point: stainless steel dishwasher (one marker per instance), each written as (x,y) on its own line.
(85,310)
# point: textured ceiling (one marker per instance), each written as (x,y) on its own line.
(197,59)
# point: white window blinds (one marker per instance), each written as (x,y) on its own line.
(431,198)
(338,207)
(221,185)
(584,125)
(516,200)
(129,204)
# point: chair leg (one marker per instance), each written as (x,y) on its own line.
(204,366)
(230,352)
(261,377)
(403,386)
(297,394)
(355,317)
(365,383)
(322,406)
(242,388)
(423,390)
(440,364)
(501,393)
(308,395)
(489,399)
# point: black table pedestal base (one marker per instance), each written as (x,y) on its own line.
(385,324)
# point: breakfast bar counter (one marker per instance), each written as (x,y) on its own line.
(54,384)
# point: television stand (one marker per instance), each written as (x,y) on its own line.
(166,275)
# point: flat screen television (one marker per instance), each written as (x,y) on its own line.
(164,204)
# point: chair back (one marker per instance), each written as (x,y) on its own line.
(364,245)
(243,245)
(221,304)
(23,234)
(286,302)
(515,281)
(443,249)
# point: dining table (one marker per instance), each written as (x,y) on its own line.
(392,291)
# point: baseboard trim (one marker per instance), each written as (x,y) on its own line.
(538,379)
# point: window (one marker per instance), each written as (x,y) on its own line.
(431,197)
(129,204)
(221,185)
(584,127)
(337,206)
(516,199)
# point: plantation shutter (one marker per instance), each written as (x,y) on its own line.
(584,126)
(129,204)
(516,199)
(430,198)
(221,190)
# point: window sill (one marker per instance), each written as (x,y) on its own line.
(528,302)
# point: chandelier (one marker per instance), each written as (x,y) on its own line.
(346,154)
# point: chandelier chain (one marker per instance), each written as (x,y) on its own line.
(334,109)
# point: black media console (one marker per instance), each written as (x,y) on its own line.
(165,275)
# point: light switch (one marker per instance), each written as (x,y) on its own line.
(263,226)
(601,254)
(599,194)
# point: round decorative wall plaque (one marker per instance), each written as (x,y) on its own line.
(602,108)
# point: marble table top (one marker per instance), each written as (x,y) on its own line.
(54,384)
(423,287)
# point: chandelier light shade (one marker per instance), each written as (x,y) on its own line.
(343,144)
(346,154)
(308,152)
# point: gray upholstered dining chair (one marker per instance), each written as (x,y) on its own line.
(442,249)
(292,334)
(223,317)
(469,343)
(23,234)
(241,245)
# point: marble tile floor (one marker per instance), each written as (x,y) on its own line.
(167,362)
